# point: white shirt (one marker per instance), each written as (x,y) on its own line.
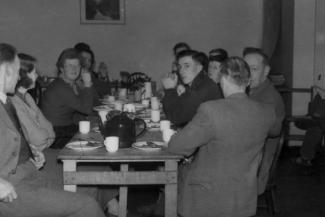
(3,97)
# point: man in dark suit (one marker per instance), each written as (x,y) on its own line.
(228,136)
(181,101)
(24,191)
(262,90)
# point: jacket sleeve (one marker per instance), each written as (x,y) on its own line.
(181,109)
(195,134)
(37,131)
(83,102)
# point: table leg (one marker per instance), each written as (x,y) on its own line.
(123,194)
(69,166)
(171,191)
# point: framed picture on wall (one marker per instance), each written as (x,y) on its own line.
(102,11)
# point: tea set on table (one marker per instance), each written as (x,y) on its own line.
(121,122)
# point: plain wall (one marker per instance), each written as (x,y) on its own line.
(44,28)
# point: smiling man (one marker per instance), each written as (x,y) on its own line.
(181,102)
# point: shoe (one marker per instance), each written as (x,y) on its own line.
(300,161)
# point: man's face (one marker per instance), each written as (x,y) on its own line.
(71,69)
(188,69)
(33,76)
(11,76)
(214,70)
(86,60)
(258,70)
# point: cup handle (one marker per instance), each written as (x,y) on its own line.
(144,126)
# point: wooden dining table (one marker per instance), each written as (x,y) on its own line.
(166,175)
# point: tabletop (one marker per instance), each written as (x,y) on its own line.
(122,155)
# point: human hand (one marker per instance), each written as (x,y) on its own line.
(169,81)
(39,160)
(7,191)
(180,89)
(86,77)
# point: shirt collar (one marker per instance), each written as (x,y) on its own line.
(3,97)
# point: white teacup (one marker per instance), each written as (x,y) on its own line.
(129,107)
(167,134)
(118,105)
(84,127)
(111,143)
(111,98)
(122,93)
(154,103)
(145,102)
(155,115)
(164,125)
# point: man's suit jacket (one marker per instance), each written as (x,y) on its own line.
(266,93)
(9,144)
(37,129)
(228,135)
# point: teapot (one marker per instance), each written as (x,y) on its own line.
(123,125)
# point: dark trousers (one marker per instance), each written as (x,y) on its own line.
(37,197)
(313,137)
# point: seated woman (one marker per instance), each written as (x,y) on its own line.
(87,63)
(37,129)
(64,99)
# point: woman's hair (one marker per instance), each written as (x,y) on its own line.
(83,47)
(198,57)
(237,69)
(181,45)
(69,53)
(25,69)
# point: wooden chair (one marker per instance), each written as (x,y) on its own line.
(137,79)
(269,193)
(293,118)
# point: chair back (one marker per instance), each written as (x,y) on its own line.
(137,79)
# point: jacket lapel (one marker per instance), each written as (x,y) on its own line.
(6,119)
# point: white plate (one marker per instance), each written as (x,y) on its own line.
(143,145)
(84,145)
(102,108)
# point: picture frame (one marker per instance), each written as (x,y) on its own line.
(102,12)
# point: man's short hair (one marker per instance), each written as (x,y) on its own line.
(69,53)
(198,57)
(218,52)
(218,55)
(26,67)
(237,69)
(7,53)
(258,51)
(181,45)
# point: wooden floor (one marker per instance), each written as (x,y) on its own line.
(300,192)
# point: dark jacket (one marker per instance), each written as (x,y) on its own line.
(60,103)
(181,109)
